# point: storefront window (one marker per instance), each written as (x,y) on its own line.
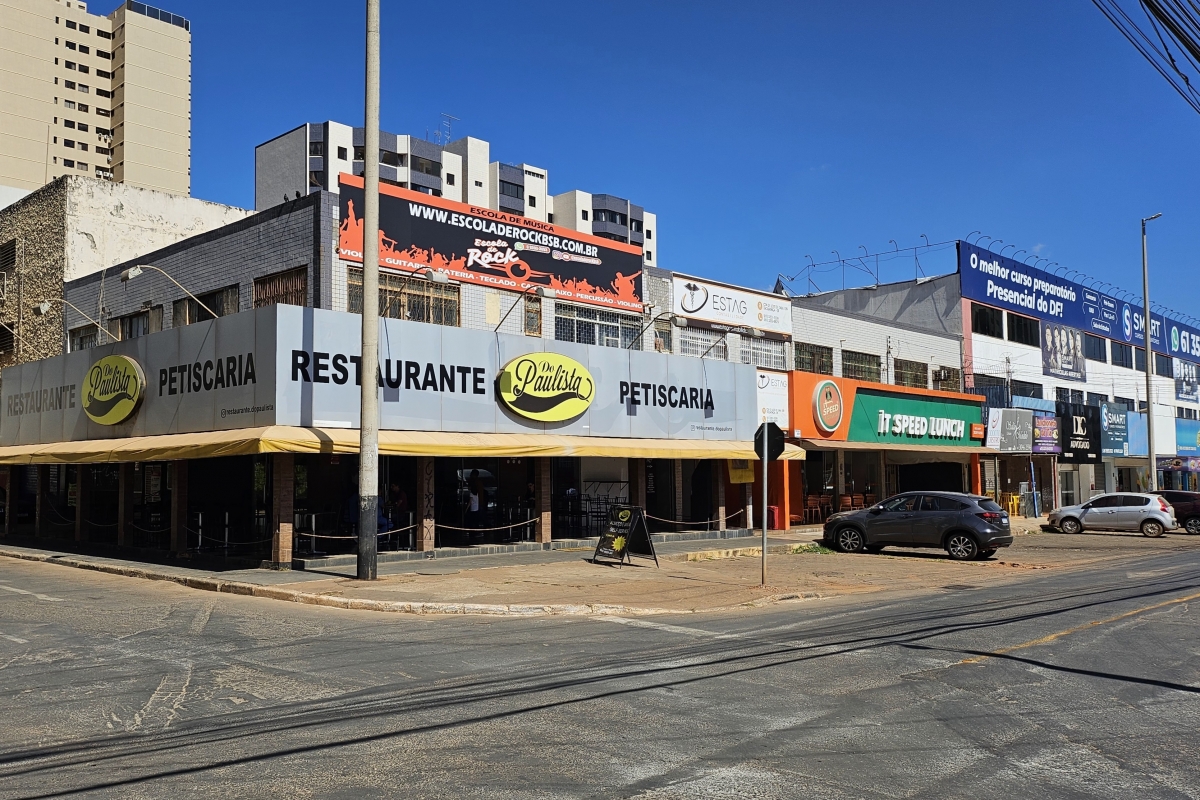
(912,373)
(814,358)
(595,326)
(400,297)
(860,366)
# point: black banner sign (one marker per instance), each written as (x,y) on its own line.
(1079,432)
(491,248)
(627,536)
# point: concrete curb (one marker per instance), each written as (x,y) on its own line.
(393,606)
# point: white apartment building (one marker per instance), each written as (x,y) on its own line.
(103,96)
(310,157)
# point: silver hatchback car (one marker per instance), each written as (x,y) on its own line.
(1124,511)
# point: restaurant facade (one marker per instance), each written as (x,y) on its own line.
(241,432)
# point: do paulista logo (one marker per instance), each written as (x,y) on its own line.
(113,389)
(547,387)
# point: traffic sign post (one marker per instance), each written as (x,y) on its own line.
(768,442)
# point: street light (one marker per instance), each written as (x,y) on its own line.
(676,320)
(43,308)
(129,274)
(537,291)
(1153,461)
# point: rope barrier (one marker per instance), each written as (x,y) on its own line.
(483,530)
(327,536)
(689,522)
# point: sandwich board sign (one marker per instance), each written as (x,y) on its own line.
(625,537)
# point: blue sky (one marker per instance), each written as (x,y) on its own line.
(757,132)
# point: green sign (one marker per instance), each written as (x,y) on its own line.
(901,419)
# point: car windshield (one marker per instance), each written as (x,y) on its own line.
(990,505)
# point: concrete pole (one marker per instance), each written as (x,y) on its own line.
(368,445)
(1153,462)
(765,520)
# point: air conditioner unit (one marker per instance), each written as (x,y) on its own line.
(942,375)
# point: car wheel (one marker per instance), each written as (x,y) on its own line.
(1193,526)
(1070,525)
(962,547)
(1152,529)
(850,540)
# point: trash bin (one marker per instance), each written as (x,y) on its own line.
(774,518)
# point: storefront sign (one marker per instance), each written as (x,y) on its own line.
(725,307)
(1079,432)
(1010,430)
(1139,440)
(548,387)
(827,406)
(1187,437)
(287,365)
(491,248)
(1176,464)
(113,389)
(1062,353)
(1002,282)
(773,398)
(1114,430)
(1187,382)
(1045,433)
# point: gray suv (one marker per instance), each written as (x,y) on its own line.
(1123,511)
(966,526)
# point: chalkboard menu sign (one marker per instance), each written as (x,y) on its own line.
(626,536)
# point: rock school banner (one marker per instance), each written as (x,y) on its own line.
(491,248)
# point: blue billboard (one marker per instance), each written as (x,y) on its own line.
(1006,283)
(1187,437)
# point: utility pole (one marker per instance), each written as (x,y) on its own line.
(1153,461)
(368,443)
(765,465)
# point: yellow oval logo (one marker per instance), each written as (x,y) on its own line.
(546,387)
(113,389)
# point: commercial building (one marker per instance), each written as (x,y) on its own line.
(103,96)
(1035,341)
(74,227)
(313,156)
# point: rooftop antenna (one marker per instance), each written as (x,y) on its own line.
(442,136)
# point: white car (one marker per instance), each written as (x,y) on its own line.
(1121,511)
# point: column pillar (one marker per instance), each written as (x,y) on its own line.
(283,493)
(678,513)
(10,500)
(426,505)
(718,491)
(976,481)
(179,506)
(637,482)
(124,502)
(544,488)
(748,500)
(83,496)
(41,517)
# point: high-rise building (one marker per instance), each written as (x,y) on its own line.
(309,158)
(105,96)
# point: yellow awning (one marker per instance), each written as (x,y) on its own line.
(286,439)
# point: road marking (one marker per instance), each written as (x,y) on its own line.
(662,626)
(1085,626)
(45,597)
(13,639)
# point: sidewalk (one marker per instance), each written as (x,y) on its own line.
(694,576)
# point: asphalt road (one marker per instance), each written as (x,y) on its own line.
(1068,684)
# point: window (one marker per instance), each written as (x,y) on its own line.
(1126,403)
(83,146)
(103,112)
(390,158)
(68,123)
(1095,348)
(595,326)
(359,151)
(104,54)
(222,302)
(83,48)
(449,178)
(289,288)
(84,69)
(316,177)
(1024,330)
(82,107)
(69,84)
(813,358)
(401,297)
(1139,358)
(81,165)
(649,233)
(68,163)
(1068,395)
(635,225)
(550,218)
(649,255)
(911,373)
(416,187)
(1094,399)
(70,64)
(987,321)
(70,104)
(698,342)
(104,151)
(860,366)
(84,29)
(103,34)
(103,93)
(7,339)
(426,166)
(1026,389)
(604,215)
(68,143)
(947,379)
(533,316)
(70,24)
(585,214)
(768,353)
(316,148)
(1186,413)
(341,151)
(1108,501)
(134,325)
(532,201)
(1163,366)
(662,336)
(69,45)
(512,190)
(479,184)
(83,87)
(83,338)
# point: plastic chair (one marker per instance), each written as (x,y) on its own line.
(812,508)
(844,503)
(826,504)
(856,501)
(869,500)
